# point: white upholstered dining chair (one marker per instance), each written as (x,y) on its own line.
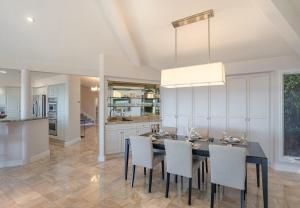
(228,168)
(179,161)
(143,156)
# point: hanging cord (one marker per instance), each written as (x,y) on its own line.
(208,34)
(175,52)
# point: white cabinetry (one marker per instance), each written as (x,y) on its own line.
(201,109)
(115,135)
(2,97)
(240,107)
(169,103)
(237,105)
(13,102)
(59,91)
(184,109)
(217,111)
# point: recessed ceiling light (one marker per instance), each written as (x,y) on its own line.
(30,19)
(3,72)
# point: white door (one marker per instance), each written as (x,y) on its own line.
(201,110)
(217,111)
(13,102)
(184,109)
(258,127)
(237,106)
(169,107)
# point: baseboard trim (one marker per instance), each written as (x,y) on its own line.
(287,167)
(11,163)
(71,142)
(40,156)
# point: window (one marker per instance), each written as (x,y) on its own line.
(291,106)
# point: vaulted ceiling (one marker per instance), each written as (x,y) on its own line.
(69,34)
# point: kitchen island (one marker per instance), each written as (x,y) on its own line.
(23,141)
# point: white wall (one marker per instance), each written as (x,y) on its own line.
(88,102)
(73,110)
(120,67)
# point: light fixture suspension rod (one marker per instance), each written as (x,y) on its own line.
(208,34)
(176,51)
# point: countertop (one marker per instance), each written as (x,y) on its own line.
(20,120)
(139,119)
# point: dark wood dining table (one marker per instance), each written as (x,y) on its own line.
(255,155)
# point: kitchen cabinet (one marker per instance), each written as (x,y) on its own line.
(239,108)
(115,135)
(248,109)
(2,97)
(217,111)
(169,107)
(200,112)
(184,109)
(13,102)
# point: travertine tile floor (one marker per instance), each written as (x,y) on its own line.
(73,178)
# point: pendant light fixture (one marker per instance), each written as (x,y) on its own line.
(195,75)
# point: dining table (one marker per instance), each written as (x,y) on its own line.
(255,155)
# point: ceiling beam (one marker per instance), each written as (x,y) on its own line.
(285,19)
(113,16)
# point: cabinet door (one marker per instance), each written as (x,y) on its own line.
(217,111)
(13,102)
(237,105)
(61,97)
(259,93)
(113,141)
(184,109)
(2,97)
(169,107)
(201,109)
(127,133)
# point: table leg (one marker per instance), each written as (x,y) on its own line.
(257,175)
(264,170)
(126,157)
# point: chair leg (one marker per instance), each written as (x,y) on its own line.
(150,180)
(206,166)
(176,179)
(212,195)
(167,185)
(190,191)
(202,171)
(145,171)
(199,178)
(163,170)
(242,198)
(257,175)
(246,181)
(133,174)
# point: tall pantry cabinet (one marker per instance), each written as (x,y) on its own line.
(239,108)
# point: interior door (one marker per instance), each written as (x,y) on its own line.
(217,111)
(259,93)
(184,109)
(169,103)
(236,106)
(201,110)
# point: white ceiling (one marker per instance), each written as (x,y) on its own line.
(239,31)
(71,34)
(66,33)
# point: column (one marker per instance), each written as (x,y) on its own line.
(26,94)
(101,157)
